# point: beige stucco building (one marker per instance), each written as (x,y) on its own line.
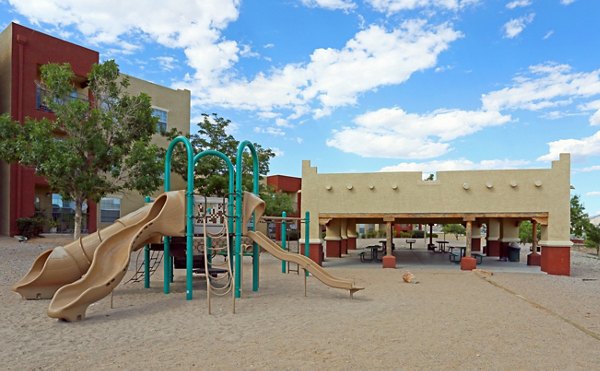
(499,199)
(172,107)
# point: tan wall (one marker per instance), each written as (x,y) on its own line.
(5,86)
(5,67)
(445,195)
(177,104)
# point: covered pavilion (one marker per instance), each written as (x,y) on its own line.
(499,199)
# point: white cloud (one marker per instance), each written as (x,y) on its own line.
(392,132)
(277,151)
(548,34)
(518,4)
(515,26)
(282,123)
(269,130)
(595,117)
(166,63)
(593,194)
(567,2)
(395,6)
(374,57)
(330,4)
(546,86)
(459,164)
(589,169)
(194,26)
(578,148)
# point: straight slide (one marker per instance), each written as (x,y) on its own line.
(61,265)
(305,263)
(166,216)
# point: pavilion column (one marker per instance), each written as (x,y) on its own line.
(476,237)
(493,238)
(510,233)
(389,260)
(430,246)
(534,258)
(468,262)
(333,239)
(344,237)
(351,234)
(556,254)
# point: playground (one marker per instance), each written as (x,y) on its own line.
(451,319)
(82,272)
(499,316)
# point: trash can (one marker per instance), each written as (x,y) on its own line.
(514,253)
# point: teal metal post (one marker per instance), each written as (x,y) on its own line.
(283,238)
(189,211)
(307,237)
(238,217)
(147,259)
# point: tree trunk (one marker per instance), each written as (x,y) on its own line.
(77,224)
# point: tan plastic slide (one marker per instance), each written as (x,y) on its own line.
(57,267)
(253,204)
(166,216)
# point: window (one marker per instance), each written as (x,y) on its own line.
(162,115)
(63,212)
(41,98)
(110,209)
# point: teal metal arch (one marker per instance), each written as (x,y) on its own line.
(238,216)
(189,214)
(230,169)
(231,172)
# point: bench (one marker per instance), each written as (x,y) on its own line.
(478,257)
(455,257)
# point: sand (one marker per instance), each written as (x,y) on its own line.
(449,320)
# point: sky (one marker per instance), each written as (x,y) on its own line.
(366,86)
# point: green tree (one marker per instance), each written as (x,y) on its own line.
(211,171)
(91,148)
(579,218)
(526,232)
(276,202)
(592,234)
(455,229)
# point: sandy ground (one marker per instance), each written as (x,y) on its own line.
(449,320)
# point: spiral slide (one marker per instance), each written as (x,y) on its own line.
(57,267)
(166,216)
(253,204)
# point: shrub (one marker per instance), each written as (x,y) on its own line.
(30,227)
(293,235)
(417,234)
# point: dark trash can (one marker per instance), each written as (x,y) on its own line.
(514,253)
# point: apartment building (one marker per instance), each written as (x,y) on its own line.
(22,192)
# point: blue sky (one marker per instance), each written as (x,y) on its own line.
(361,86)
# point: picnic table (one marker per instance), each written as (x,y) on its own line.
(374,254)
(442,245)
